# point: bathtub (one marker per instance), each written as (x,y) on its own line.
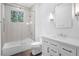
(16,47)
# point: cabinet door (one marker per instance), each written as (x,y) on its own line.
(45,50)
(53,43)
(77,51)
(67,50)
(63,15)
(54,46)
(45,47)
(53,51)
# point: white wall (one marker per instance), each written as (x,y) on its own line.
(43,27)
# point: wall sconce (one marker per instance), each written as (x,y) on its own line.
(76,10)
(51,17)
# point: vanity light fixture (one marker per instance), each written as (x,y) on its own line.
(51,17)
(76,10)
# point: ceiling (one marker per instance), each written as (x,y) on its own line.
(29,5)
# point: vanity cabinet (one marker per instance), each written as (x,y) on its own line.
(53,51)
(51,47)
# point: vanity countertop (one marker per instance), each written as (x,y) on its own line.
(67,40)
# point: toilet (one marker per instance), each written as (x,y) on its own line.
(36,48)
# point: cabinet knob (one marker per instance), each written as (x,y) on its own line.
(59,54)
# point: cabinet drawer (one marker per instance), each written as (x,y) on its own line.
(68,50)
(54,44)
(53,51)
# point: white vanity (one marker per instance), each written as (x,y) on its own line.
(59,46)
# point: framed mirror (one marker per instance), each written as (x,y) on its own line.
(63,16)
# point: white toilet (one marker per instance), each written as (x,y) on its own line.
(36,48)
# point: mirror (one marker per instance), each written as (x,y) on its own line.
(63,16)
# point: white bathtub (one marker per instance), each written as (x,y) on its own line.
(16,47)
